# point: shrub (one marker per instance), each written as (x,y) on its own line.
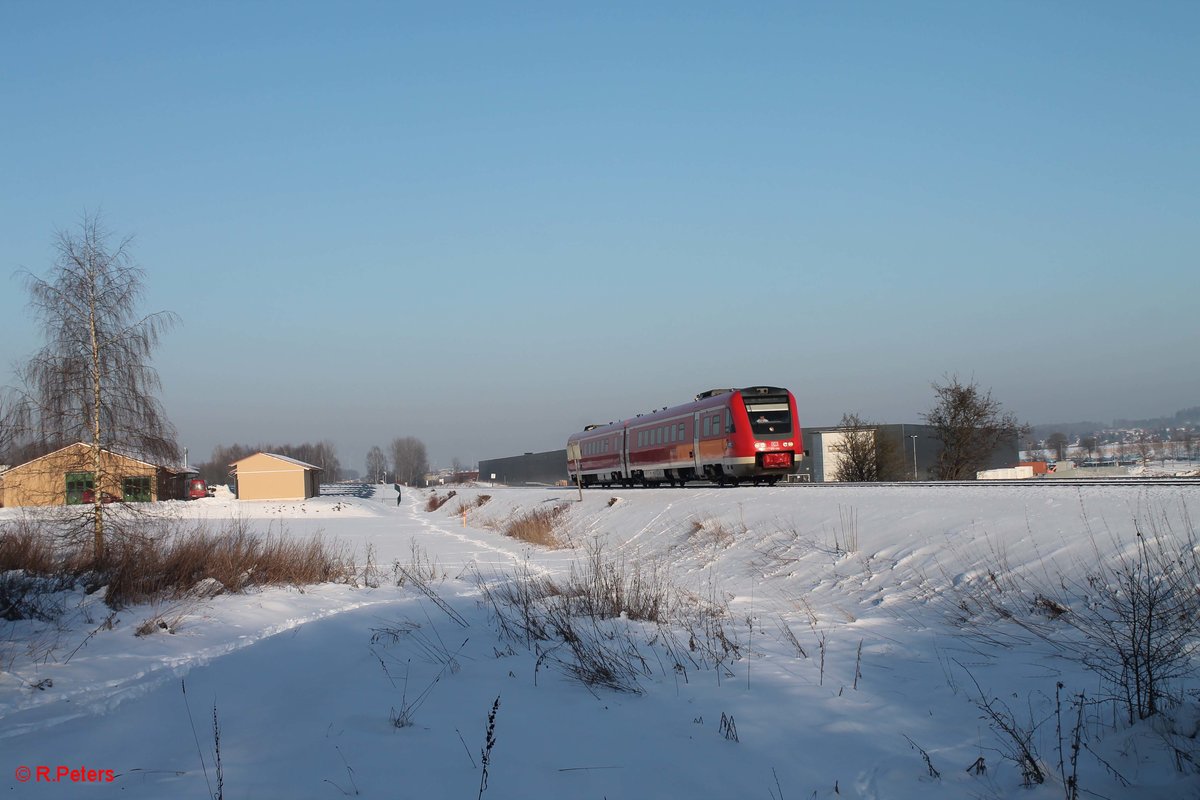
(1137,614)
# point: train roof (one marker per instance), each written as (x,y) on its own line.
(702,401)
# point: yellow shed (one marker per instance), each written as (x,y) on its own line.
(267,476)
(68,476)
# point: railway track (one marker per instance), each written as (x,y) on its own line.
(1025,482)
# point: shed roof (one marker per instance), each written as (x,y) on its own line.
(288,459)
(109,450)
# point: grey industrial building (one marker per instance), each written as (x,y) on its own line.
(547,468)
(915,447)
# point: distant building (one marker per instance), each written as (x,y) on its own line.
(268,476)
(547,468)
(67,477)
(443,477)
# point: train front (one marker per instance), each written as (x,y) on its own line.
(766,438)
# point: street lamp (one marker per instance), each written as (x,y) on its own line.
(914,438)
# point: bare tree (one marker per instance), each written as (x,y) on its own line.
(970,425)
(1057,442)
(92,381)
(865,455)
(1143,446)
(377,464)
(1090,443)
(409,460)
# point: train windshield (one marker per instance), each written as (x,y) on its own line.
(769,420)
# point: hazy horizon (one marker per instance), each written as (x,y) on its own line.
(487,227)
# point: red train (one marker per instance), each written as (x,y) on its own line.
(724,436)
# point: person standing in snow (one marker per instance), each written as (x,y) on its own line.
(397,486)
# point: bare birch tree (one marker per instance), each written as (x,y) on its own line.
(92,381)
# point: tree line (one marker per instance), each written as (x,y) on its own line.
(321,454)
(405,462)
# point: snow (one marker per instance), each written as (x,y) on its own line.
(307,682)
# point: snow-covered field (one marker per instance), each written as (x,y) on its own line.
(850,662)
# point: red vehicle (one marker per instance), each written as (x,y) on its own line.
(196,488)
(724,436)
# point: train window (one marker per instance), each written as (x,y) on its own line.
(680,431)
(707,426)
(770,420)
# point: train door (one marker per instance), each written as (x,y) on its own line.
(696,462)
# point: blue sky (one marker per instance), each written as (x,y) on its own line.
(486,225)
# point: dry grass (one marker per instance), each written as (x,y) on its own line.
(604,589)
(156,567)
(157,561)
(712,533)
(538,526)
(23,548)
(434,502)
(596,625)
